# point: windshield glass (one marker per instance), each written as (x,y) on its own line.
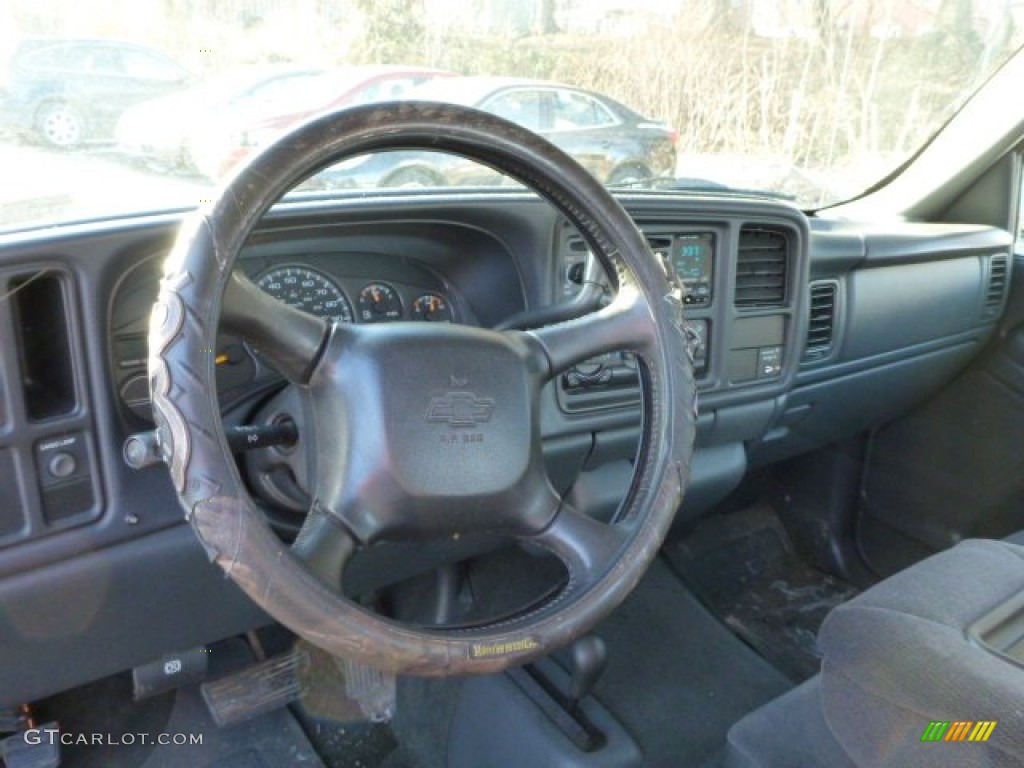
(114,107)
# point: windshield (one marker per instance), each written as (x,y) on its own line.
(112,108)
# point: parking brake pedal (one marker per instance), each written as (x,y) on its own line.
(262,688)
(172,671)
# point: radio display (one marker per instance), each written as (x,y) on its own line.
(692,259)
(692,256)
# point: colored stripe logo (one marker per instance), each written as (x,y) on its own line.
(958,730)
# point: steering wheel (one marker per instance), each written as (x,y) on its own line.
(393,401)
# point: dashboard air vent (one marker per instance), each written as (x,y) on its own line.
(997,280)
(660,245)
(822,322)
(761,267)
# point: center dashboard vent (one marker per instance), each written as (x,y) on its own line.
(821,324)
(660,245)
(761,267)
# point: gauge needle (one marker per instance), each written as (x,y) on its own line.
(221,358)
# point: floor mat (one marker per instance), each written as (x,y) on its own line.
(676,678)
(744,568)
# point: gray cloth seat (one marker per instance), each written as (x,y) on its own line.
(788,732)
(896,658)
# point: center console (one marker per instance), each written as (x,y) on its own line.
(740,281)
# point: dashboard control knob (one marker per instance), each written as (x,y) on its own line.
(62,465)
(588,369)
(574,274)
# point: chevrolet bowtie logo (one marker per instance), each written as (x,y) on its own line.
(460,409)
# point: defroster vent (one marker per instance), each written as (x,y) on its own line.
(761,267)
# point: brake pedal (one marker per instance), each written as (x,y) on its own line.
(261,688)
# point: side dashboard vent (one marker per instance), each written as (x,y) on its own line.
(761,267)
(43,338)
(821,324)
(995,293)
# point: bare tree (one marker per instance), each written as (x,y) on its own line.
(546,24)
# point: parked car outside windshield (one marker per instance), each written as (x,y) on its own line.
(614,143)
(163,131)
(67,92)
(211,127)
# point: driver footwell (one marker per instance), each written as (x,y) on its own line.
(676,680)
(127,729)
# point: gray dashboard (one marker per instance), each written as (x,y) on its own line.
(806,331)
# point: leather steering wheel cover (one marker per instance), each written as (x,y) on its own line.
(182,336)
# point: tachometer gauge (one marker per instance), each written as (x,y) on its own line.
(379,302)
(433,308)
(308,290)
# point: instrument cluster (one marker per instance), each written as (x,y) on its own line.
(349,289)
(377,301)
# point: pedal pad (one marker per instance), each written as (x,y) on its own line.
(257,690)
(34,748)
(13,719)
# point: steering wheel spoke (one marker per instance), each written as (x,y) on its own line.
(586,546)
(625,324)
(325,546)
(290,338)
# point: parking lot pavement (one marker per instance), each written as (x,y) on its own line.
(42,185)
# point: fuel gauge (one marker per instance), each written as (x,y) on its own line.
(379,302)
(432,308)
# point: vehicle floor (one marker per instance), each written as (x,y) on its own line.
(106,707)
(677,679)
(744,568)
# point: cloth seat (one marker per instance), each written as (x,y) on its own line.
(896,658)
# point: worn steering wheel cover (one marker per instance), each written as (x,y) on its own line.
(183,334)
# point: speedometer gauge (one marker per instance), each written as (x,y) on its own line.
(308,290)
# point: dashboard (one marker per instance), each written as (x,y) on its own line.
(802,332)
